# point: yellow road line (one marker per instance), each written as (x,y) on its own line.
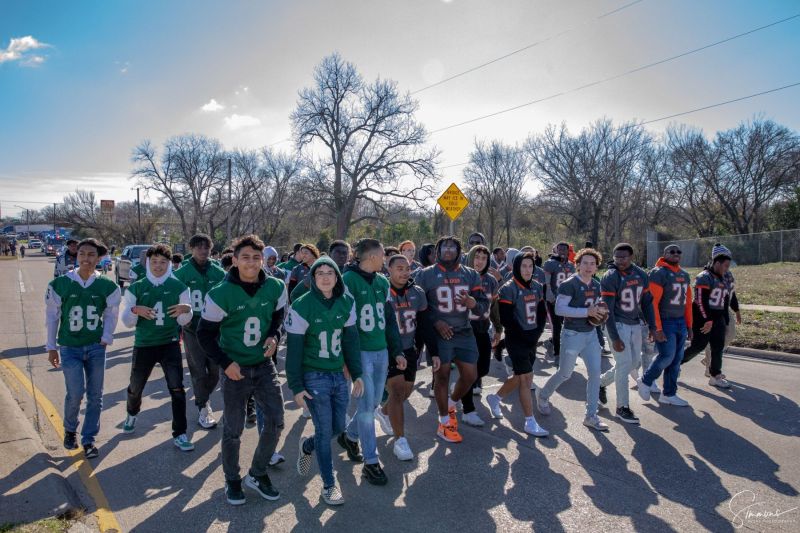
(105,517)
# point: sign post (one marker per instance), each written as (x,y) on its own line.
(453,202)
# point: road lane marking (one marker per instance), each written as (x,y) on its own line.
(105,516)
(21,283)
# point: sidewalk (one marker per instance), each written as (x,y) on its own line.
(31,487)
(770,308)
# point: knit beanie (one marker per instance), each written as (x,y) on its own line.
(720,250)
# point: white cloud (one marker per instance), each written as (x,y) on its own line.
(18,49)
(236,121)
(213,105)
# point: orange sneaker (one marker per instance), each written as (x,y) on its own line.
(448,433)
(452,414)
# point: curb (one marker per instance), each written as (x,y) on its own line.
(764,354)
(31,486)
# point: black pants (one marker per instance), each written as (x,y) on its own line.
(204,371)
(557,322)
(715,337)
(145,359)
(484,342)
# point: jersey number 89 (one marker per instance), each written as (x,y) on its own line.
(366,321)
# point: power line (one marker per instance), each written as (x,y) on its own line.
(616,76)
(682,113)
(526,47)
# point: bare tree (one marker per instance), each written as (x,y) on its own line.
(370,147)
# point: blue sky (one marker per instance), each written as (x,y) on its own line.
(95,78)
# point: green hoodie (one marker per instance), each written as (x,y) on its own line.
(322,335)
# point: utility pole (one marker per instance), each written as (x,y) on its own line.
(55,231)
(230,208)
(139,213)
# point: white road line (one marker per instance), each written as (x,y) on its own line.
(21,283)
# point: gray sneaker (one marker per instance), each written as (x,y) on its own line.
(542,404)
(594,422)
(332,495)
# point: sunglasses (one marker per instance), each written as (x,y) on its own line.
(675,252)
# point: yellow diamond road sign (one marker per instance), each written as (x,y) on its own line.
(453,202)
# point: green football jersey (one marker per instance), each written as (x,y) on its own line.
(163,329)
(81,320)
(371,301)
(244,320)
(138,272)
(199,283)
(322,328)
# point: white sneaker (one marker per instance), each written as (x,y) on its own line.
(673,400)
(332,495)
(493,401)
(431,392)
(402,450)
(654,388)
(206,418)
(643,390)
(383,420)
(720,382)
(472,419)
(306,413)
(542,404)
(533,428)
(594,422)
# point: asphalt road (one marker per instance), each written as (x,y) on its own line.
(684,469)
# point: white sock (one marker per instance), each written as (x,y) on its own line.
(451,403)
(530,419)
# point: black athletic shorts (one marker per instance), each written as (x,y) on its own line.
(410,373)
(522,353)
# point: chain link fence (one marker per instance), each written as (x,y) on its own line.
(747,249)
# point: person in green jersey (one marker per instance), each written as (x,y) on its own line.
(138,271)
(156,305)
(81,315)
(292,262)
(200,274)
(380,340)
(322,339)
(240,329)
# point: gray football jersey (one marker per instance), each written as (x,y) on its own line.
(406,307)
(524,300)
(627,287)
(673,287)
(490,286)
(556,273)
(581,295)
(719,289)
(441,286)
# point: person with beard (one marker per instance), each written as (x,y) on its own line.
(520,301)
(239,329)
(478,259)
(453,291)
(156,305)
(407,301)
(556,269)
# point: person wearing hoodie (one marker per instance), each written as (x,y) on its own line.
(380,340)
(200,274)
(81,314)
(713,297)
(407,301)
(307,254)
(672,313)
(322,344)
(520,300)
(156,305)
(453,291)
(557,269)
(626,291)
(239,329)
(579,300)
(478,259)
(270,264)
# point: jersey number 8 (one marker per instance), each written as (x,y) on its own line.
(252,332)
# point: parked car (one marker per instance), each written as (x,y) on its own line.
(127,260)
(105,264)
(34,243)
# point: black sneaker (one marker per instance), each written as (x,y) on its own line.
(304,459)
(374,474)
(251,411)
(90,451)
(626,415)
(262,485)
(350,447)
(234,493)
(70,440)
(602,396)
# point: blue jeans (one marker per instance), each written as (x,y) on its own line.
(328,409)
(670,355)
(374,367)
(625,361)
(587,345)
(84,368)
